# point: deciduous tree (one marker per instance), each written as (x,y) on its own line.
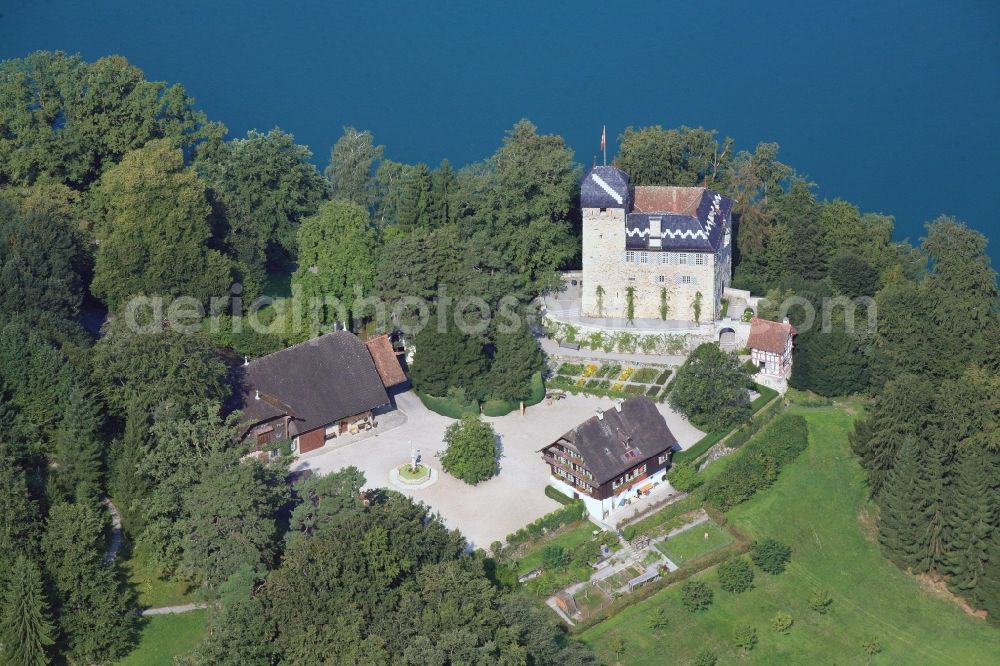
(471,450)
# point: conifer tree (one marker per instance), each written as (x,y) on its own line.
(971,510)
(901,410)
(18,512)
(96,616)
(929,505)
(25,630)
(77,448)
(516,358)
(899,524)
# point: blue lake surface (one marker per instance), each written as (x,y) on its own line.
(892,105)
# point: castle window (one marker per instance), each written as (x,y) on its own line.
(661,279)
(682,258)
(699,259)
(604,210)
(629,257)
(663,257)
(644,257)
(673,258)
(686,279)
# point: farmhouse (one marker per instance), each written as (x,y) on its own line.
(315,391)
(613,456)
(770,345)
(670,247)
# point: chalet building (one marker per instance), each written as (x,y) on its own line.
(660,241)
(613,456)
(315,391)
(770,345)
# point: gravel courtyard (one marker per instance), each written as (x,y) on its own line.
(494,508)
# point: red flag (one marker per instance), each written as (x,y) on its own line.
(604,136)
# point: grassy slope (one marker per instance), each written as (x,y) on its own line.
(814,507)
(166,636)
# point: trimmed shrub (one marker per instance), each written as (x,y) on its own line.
(735,575)
(504,407)
(449,407)
(770,555)
(552,493)
(683,477)
(696,595)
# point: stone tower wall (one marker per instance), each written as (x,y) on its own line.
(603,254)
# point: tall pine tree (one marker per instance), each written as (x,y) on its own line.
(78,450)
(25,630)
(970,519)
(899,524)
(96,610)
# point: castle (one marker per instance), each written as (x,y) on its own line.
(668,244)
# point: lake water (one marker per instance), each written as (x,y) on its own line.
(892,105)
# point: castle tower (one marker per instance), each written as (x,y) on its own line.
(605,198)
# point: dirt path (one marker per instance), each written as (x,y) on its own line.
(171,610)
(116,532)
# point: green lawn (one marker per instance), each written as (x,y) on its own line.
(153,591)
(166,636)
(815,508)
(568,539)
(692,543)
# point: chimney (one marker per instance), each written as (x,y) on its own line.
(618,405)
(786,321)
(246,361)
(600,414)
(256,394)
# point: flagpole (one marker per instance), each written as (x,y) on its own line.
(604,144)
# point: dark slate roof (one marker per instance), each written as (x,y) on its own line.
(605,187)
(699,225)
(619,440)
(316,382)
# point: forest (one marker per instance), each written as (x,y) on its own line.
(112,187)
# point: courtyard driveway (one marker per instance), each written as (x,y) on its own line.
(495,508)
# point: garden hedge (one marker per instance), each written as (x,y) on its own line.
(504,407)
(562,498)
(759,463)
(447,406)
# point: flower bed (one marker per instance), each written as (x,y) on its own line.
(626,373)
(646,375)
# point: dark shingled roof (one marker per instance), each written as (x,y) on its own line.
(620,440)
(316,382)
(605,187)
(691,218)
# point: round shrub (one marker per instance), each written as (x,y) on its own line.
(683,477)
(781,622)
(735,575)
(696,595)
(770,555)
(706,658)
